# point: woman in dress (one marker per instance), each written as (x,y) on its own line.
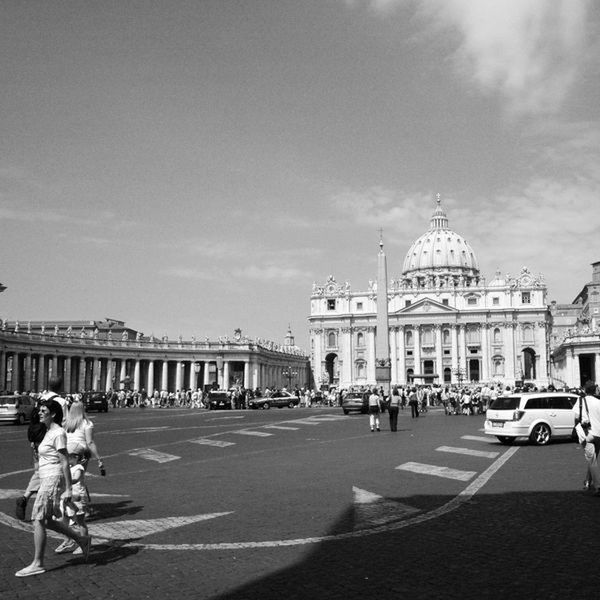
(55,487)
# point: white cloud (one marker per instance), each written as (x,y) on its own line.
(529,51)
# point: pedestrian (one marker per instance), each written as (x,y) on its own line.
(80,430)
(76,510)
(55,486)
(35,435)
(413,402)
(394,408)
(374,410)
(587,416)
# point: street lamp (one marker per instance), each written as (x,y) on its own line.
(460,374)
(289,373)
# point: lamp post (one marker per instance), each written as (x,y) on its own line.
(289,373)
(460,374)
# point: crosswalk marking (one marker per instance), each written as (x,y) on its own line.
(155,455)
(215,443)
(437,471)
(467,451)
(307,421)
(476,438)
(280,427)
(252,433)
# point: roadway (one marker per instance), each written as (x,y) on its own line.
(302,503)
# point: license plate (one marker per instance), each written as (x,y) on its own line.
(497,424)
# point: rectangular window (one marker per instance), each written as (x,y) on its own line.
(495,301)
(359,306)
(445,301)
(471,301)
(525,298)
(331,304)
(409,353)
(407,303)
(447,352)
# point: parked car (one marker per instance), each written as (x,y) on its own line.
(219,400)
(95,401)
(277,400)
(538,416)
(356,402)
(16,408)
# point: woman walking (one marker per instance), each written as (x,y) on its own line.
(55,487)
(374,410)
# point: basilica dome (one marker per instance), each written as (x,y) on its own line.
(440,252)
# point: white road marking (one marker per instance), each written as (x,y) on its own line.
(308,421)
(122,530)
(477,438)
(155,455)
(330,417)
(215,443)
(280,427)
(4,494)
(225,418)
(446,472)
(467,451)
(450,506)
(372,510)
(252,433)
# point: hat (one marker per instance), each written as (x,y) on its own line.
(75,448)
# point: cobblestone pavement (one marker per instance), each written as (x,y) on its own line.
(529,533)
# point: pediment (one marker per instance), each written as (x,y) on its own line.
(426,306)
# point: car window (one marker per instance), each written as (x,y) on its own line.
(7,399)
(537,403)
(506,403)
(560,402)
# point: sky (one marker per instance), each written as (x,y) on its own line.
(191,167)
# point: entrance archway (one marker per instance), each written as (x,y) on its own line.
(474,369)
(331,369)
(529,371)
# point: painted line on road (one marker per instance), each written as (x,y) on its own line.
(437,471)
(252,433)
(280,427)
(307,421)
(467,451)
(209,442)
(477,438)
(155,455)
(450,506)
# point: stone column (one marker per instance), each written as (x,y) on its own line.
(439,353)
(226,375)
(346,375)
(193,377)
(541,351)
(206,373)
(575,371)
(401,356)
(164,376)
(16,373)
(3,371)
(67,382)
(247,381)
(417,351)
(485,353)
(41,376)
(136,375)
(178,378)
(123,373)
(150,378)
(454,351)
(462,351)
(255,376)
(97,374)
(394,355)
(509,373)
(108,384)
(27,382)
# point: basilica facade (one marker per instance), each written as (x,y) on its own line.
(438,322)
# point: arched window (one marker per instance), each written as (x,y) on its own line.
(360,339)
(408,336)
(331,339)
(497,336)
(473,335)
(427,336)
(446,337)
(527,333)
(498,362)
(361,369)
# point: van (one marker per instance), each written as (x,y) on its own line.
(16,408)
(538,416)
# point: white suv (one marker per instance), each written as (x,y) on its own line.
(538,416)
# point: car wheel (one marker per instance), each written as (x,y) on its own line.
(540,434)
(266,406)
(291,405)
(506,440)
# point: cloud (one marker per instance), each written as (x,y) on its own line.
(528,51)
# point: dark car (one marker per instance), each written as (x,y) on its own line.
(95,401)
(219,400)
(276,399)
(356,402)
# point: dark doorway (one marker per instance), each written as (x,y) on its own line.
(474,369)
(331,368)
(529,364)
(587,371)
